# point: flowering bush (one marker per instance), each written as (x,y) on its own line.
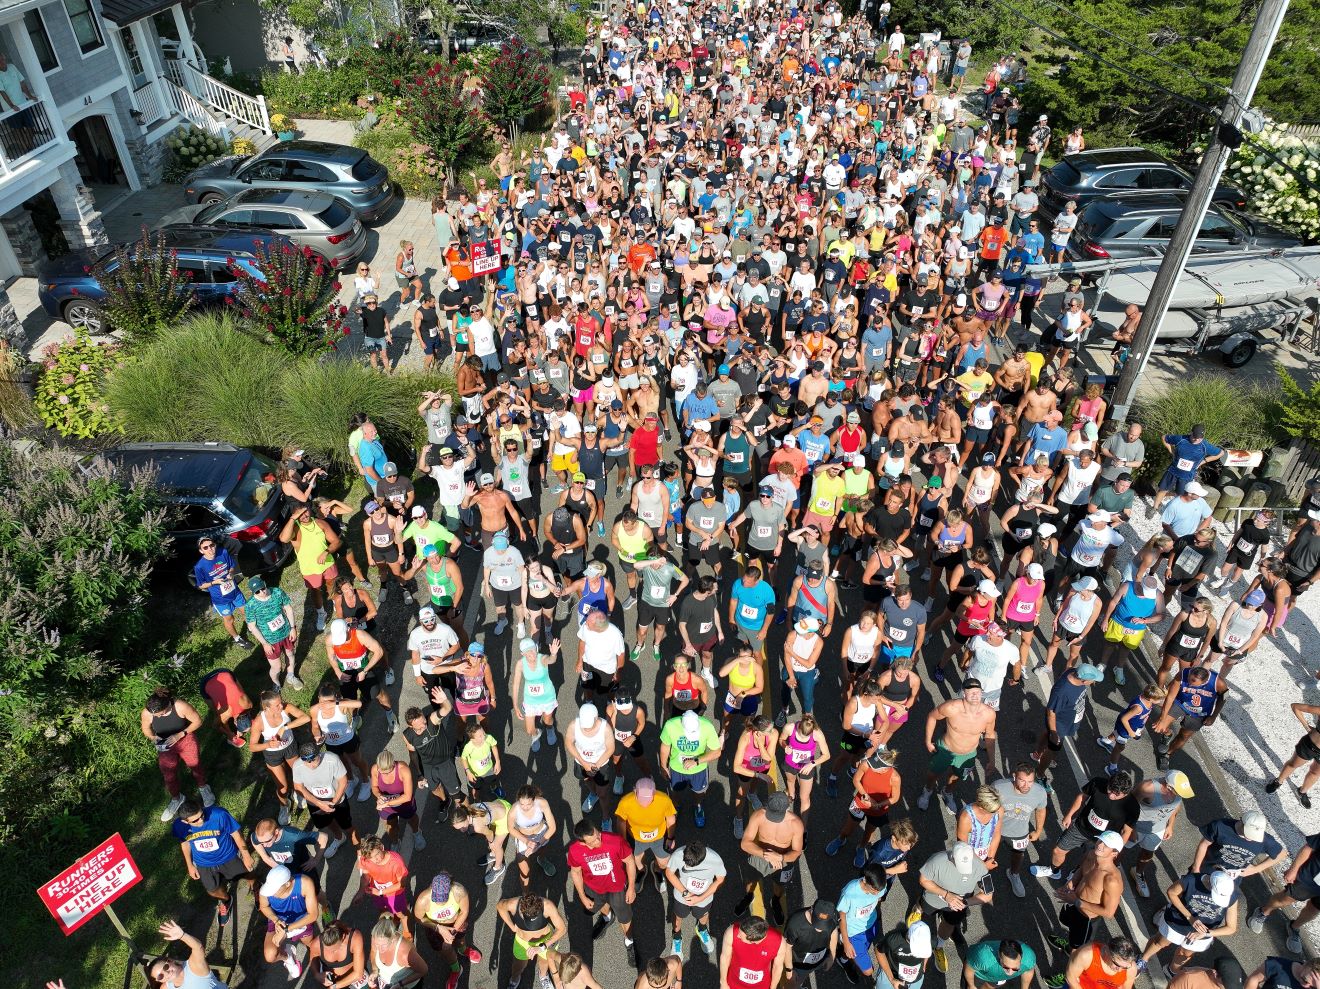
(279,121)
(441,116)
(191,147)
(1273,189)
(514,84)
(69,396)
(245,148)
(388,64)
(144,289)
(294,300)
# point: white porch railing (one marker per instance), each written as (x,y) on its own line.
(251,110)
(187,106)
(147,99)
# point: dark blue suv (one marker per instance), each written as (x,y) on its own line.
(68,289)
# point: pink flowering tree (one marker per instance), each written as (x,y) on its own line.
(292,303)
(515,84)
(441,114)
(145,292)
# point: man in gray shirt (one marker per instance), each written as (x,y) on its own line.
(726,393)
(1024,801)
(1025,203)
(1122,453)
(949,886)
(694,872)
(321,779)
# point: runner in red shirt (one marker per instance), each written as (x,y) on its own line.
(232,705)
(752,956)
(605,878)
(383,873)
(992,241)
(644,444)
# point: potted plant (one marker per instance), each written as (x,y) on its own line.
(283,126)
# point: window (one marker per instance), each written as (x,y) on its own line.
(1217,228)
(278,219)
(134,56)
(270,170)
(235,218)
(1159,178)
(36,29)
(1122,178)
(308,171)
(197,518)
(1162,229)
(194,272)
(86,26)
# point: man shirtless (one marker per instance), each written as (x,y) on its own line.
(495,508)
(1094,891)
(1126,333)
(1012,378)
(909,431)
(948,424)
(966,324)
(1036,405)
(661,973)
(772,842)
(967,720)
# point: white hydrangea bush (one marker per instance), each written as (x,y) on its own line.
(1274,190)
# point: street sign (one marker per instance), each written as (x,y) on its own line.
(84,889)
(485,257)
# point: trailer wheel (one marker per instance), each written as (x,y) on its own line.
(1241,354)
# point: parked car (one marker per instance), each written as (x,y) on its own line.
(464,38)
(68,289)
(216,490)
(325,223)
(318,166)
(1118,172)
(1141,225)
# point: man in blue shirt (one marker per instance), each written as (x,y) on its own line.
(751,606)
(859,911)
(1187,454)
(217,574)
(213,849)
(698,407)
(1046,437)
(993,962)
(876,342)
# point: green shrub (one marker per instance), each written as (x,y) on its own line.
(316,92)
(144,288)
(16,409)
(294,300)
(1299,408)
(191,147)
(1235,416)
(410,164)
(387,65)
(69,388)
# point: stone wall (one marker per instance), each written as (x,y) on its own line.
(23,240)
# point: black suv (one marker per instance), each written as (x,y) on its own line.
(1107,173)
(217,490)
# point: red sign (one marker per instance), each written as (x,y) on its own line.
(99,878)
(485,257)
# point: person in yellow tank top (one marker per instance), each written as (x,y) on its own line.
(827,490)
(632,540)
(314,544)
(746,685)
(442,912)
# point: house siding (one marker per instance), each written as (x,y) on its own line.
(76,75)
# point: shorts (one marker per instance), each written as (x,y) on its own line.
(684,910)
(317,580)
(943,760)
(763,556)
(650,614)
(385,554)
(347,747)
(341,814)
(617,902)
(430,346)
(825,523)
(750,636)
(1174,482)
(895,712)
(274,649)
(1026,628)
(396,902)
(1064,634)
(564,461)
(230,604)
(601,777)
(698,782)
(850,741)
(1072,838)
(695,554)
(1149,841)
(1302,891)
(1188,941)
(1307,749)
(490,362)
(522,949)
(764,870)
(747,707)
(506,599)
(215,877)
(976,436)
(379,344)
(1129,638)
(1189,722)
(708,645)
(861,944)
(279,757)
(597,682)
(878,818)
(656,848)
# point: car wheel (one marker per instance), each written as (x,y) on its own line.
(211,198)
(1241,354)
(83,315)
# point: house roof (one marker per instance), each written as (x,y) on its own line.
(124,12)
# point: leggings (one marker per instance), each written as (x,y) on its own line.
(185,751)
(806,689)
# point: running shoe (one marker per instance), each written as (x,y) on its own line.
(950,803)
(699,816)
(208,798)
(706,675)
(547,866)
(536,741)
(320,620)
(1256,921)
(617,788)
(293,681)
(333,847)
(636,652)
(389,677)
(831,785)
(1111,768)
(223,913)
(1304,799)
(1046,872)
(833,847)
(493,875)
(676,948)
(473,954)
(607,826)
(1272,786)
(501,625)
(941,959)
(364,790)
(1057,981)
(1015,883)
(588,802)
(237,741)
(172,808)
(938,674)
(629,603)
(1139,882)
(1105,742)
(283,816)
(923,801)
(451,982)
(1120,676)
(1059,941)
(291,962)
(602,922)
(707,942)
(419,841)
(782,616)
(859,857)
(1294,942)
(781,719)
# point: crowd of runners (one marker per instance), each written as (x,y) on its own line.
(764,369)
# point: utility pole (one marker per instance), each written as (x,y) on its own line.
(1223,142)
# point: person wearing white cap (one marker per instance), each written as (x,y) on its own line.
(1183,515)
(903,956)
(1073,620)
(1135,606)
(590,742)
(688,744)
(974,614)
(988,658)
(533,692)
(1092,550)
(1202,908)
(951,882)
(351,655)
(289,904)
(1022,613)
(1160,798)
(1092,892)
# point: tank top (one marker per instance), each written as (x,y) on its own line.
(1189,640)
(1132,606)
(737,454)
(444,913)
(311,544)
(582,506)
(1029,487)
(812,602)
(974,354)
(537,689)
(1077,613)
(440,585)
(535,923)
(976,617)
(892,465)
(1023,527)
(470,688)
(861,645)
(349,656)
(1143,713)
(533,821)
(336,729)
(751,756)
(1198,701)
(591,461)
(591,748)
(382,533)
(803,646)
(928,510)
(983,416)
(896,692)
(291,907)
(538,588)
(392,787)
(337,969)
(1023,603)
(951,542)
(686,696)
(1239,629)
(388,970)
(798,751)
(632,545)
(278,738)
(863,718)
(592,598)
(1096,976)
(981,832)
(979,489)
(742,682)
(749,964)
(650,506)
(167,724)
(625,723)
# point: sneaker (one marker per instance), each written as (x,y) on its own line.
(676,948)
(172,808)
(547,866)
(550,737)
(1111,768)
(389,678)
(384,595)
(923,801)
(419,841)
(492,875)
(333,847)
(831,785)
(239,641)
(833,847)
(1059,941)
(293,681)
(607,826)
(1015,884)
(520,630)
(630,950)
(600,529)
(1272,786)
(636,652)
(707,942)
(655,654)
(941,959)
(1139,882)
(602,922)
(739,826)
(1120,676)
(618,490)
(364,790)
(1218,582)
(781,719)
(950,803)
(938,674)
(452,981)
(699,815)
(629,602)
(442,813)
(536,741)
(208,798)
(283,816)
(850,972)
(617,788)
(706,675)
(1046,872)
(392,726)
(912,917)
(474,954)
(1304,799)
(407,596)
(1256,921)
(1294,942)
(859,857)
(320,620)
(1057,981)
(1161,761)
(588,802)
(1105,742)
(501,625)
(754,801)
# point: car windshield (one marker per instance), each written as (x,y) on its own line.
(335,215)
(1065,174)
(210,214)
(254,490)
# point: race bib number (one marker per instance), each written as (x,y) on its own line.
(1188,641)
(1245,546)
(698,886)
(705,627)
(206,845)
(282,857)
(749,612)
(764,531)
(812,957)
(502,581)
(591,484)
(535,689)
(1184,463)
(650,835)
(227,586)
(1023,608)
(471,693)
(736,457)
(1096,821)
(1019,844)
(707,523)
(1072,622)
(322,792)
(351,664)
(797,757)
(897,634)
(275,625)
(908,973)
(1022,534)
(750,976)
(601,866)
(657,594)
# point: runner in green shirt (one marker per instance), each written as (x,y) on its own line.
(687,744)
(270,618)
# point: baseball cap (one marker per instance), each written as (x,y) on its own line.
(1255,599)
(578,477)
(427,614)
(963,857)
(645,790)
(256,584)
(1221,888)
(371,507)
(429,549)
(691,725)
(1198,432)
(1253,825)
(587,715)
(790,440)
(486,478)
(776,808)
(1111,838)
(1035,571)
(707,493)
(1195,489)
(1047,529)
(1090,673)
(702,425)
(1100,516)
(767,491)
(590,427)
(1179,783)
(988,588)
(280,875)
(854,417)
(722,369)
(524,644)
(389,469)
(935,482)
(1087,583)
(338,632)
(476,649)
(858,460)
(417,511)
(919,942)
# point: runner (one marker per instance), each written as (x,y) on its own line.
(688,744)
(270,619)
(773,843)
(322,781)
(444,914)
(968,721)
(694,873)
(213,851)
(218,575)
(289,902)
(813,939)
(753,955)
(171,725)
(604,876)
(951,882)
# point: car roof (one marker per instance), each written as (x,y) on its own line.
(1145,203)
(312,202)
(188,469)
(201,236)
(322,150)
(1102,158)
